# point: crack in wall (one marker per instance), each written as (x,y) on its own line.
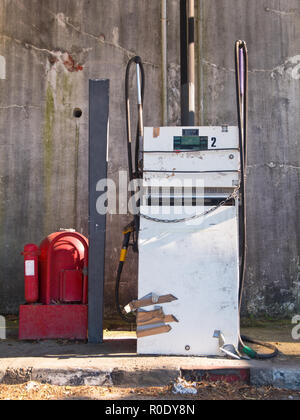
(226,69)
(38,49)
(27,45)
(291,68)
(217,67)
(292,12)
(25,108)
(60,18)
(20,106)
(273,165)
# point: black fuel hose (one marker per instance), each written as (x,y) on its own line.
(242,64)
(242,103)
(135,169)
(126,242)
(256,355)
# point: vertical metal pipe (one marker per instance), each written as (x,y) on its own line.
(98,151)
(191,61)
(200,61)
(164,61)
(184,64)
(138,81)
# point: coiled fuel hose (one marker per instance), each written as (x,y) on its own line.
(241,62)
(135,170)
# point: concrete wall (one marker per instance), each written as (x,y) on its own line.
(272,31)
(52,48)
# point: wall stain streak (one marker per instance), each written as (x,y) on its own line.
(76,174)
(48,153)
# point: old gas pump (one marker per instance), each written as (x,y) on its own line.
(188,240)
(187,233)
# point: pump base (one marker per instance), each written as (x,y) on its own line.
(50,322)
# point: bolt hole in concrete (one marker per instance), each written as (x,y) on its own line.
(77,113)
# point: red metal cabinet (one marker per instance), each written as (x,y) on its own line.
(31,275)
(63,265)
(56,288)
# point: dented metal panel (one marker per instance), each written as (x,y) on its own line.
(195,260)
(220,180)
(209,161)
(198,262)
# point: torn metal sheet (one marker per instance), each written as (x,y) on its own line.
(149,301)
(144,316)
(162,329)
(156,319)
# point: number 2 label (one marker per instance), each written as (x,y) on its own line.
(214,142)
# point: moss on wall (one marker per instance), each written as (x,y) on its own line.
(48,151)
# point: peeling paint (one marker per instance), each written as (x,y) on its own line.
(70,64)
(61,20)
(66,59)
(290,68)
(2,68)
(116,36)
(174,95)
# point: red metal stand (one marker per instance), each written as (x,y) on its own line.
(56,276)
(47,322)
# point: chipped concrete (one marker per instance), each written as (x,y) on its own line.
(277,377)
(79,377)
(115,363)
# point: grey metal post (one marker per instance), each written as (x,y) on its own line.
(191,61)
(98,143)
(187,23)
(184,64)
(164,49)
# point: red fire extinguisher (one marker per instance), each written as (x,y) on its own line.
(31,256)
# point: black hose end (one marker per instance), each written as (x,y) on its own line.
(138,60)
(241,44)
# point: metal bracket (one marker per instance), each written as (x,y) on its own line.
(228,349)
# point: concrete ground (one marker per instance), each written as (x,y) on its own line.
(115,362)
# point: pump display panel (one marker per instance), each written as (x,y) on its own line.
(187,142)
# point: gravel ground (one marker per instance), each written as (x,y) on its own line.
(205,391)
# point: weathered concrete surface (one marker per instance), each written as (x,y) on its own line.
(272,31)
(277,377)
(115,363)
(48,51)
(51,49)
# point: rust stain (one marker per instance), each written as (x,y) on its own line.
(70,64)
(53,60)
(156,132)
(65,59)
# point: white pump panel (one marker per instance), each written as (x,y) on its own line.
(197,261)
